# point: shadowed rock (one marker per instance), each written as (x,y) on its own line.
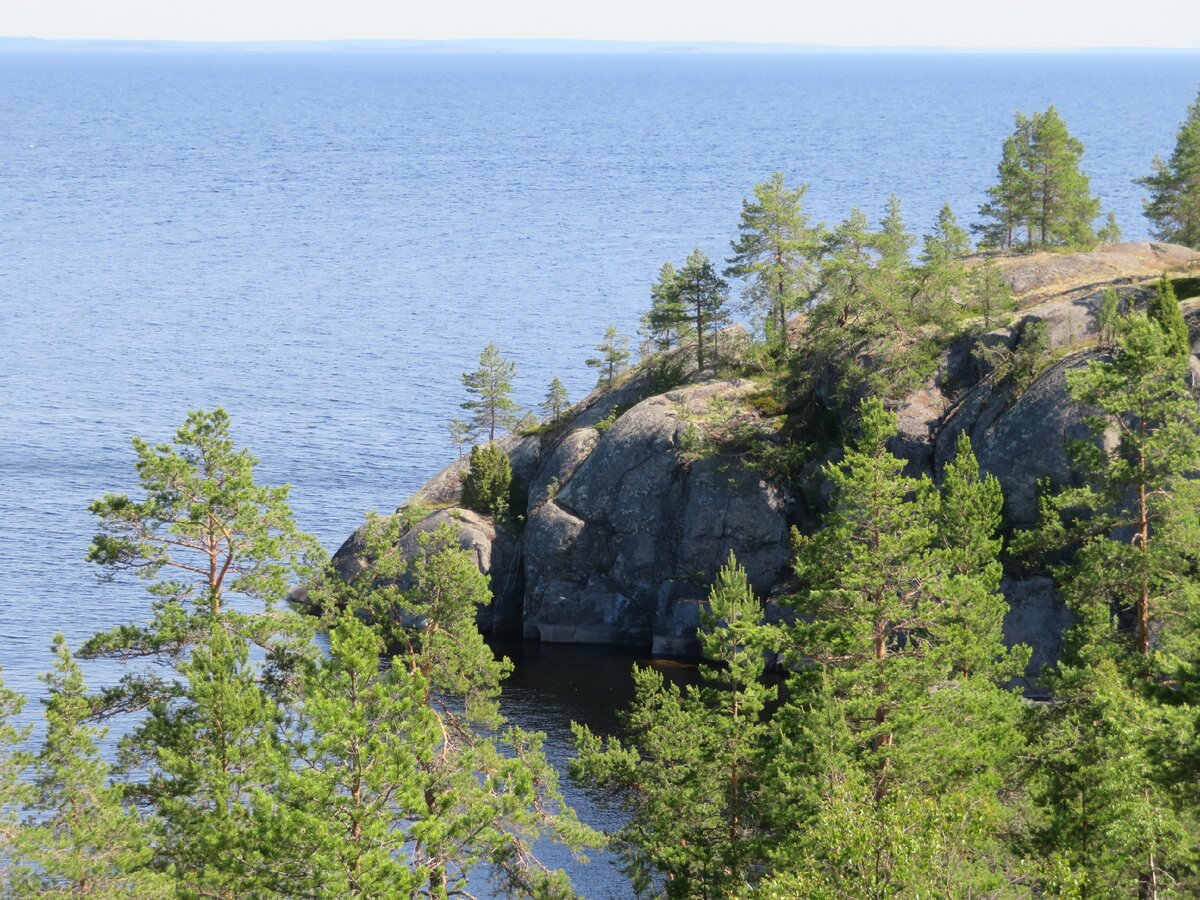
(626,523)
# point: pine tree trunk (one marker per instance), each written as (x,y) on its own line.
(1143,602)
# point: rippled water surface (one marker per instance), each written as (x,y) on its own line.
(322,243)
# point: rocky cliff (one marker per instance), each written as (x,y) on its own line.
(629,514)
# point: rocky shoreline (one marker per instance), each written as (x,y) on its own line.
(625,524)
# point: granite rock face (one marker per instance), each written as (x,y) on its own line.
(626,524)
(1035,277)
(625,549)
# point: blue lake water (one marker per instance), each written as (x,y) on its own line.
(322,243)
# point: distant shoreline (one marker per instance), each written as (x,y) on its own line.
(560,47)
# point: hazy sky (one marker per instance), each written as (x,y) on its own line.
(956,23)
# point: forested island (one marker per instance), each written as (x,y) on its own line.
(840,506)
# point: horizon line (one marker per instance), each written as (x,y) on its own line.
(544,45)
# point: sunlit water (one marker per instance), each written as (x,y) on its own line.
(323,243)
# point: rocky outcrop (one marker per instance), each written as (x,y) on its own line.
(496,552)
(1019,436)
(1036,277)
(1036,618)
(628,515)
(625,547)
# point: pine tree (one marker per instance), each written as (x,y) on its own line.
(219,761)
(949,240)
(487,482)
(704,294)
(557,401)
(775,253)
(847,262)
(691,772)
(1165,312)
(1174,204)
(989,293)
(491,387)
(941,277)
(893,241)
(899,626)
(1010,203)
(218,549)
(1108,318)
(486,795)
(1041,188)
(359,738)
(968,546)
(14,786)
(460,434)
(79,840)
(666,323)
(221,552)
(204,520)
(1110,784)
(1064,208)
(1102,805)
(1143,485)
(867,570)
(1110,232)
(614,356)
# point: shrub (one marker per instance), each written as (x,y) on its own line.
(1164,310)
(607,422)
(1031,351)
(662,375)
(487,482)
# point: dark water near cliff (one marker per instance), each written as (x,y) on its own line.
(323,243)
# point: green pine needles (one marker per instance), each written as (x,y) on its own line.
(258,764)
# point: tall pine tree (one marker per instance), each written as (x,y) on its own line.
(898,742)
(704,295)
(1111,781)
(491,405)
(775,253)
(79,840)
(1042,188)
(1174,186)
(613,358)
(666,324)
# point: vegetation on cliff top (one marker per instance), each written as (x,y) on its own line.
(894,757)
(897,762)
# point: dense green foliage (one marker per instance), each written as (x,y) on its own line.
(1164,311)
(1040,189)
(487,483)
(261,765)
(1174,203)
(884,767)
(895,759)
(1112,785)
(863,738)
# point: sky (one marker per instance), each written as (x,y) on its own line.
(968,24)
